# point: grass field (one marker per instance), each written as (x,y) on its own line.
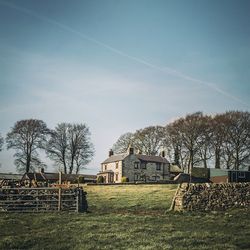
(127,217)
(135,199)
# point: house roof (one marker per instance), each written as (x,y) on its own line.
(51,176)
(218,172)
(33,176)
(180,178)
(175,169)
(115,158)
(4,176)
(214,172)
(152,158)
(146,158)
(105,171)
(89,176)
(55,176)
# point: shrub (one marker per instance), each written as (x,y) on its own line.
(125,179)
(100,179)
(200,172)
(75,181)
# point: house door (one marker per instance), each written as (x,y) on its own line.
(111,178)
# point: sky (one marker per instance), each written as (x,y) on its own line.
(120,65)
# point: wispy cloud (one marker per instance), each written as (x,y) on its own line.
(167,70)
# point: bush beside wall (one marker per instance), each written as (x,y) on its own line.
(125,179)
(100,179)
(200,172)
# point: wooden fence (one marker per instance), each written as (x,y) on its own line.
(42,200)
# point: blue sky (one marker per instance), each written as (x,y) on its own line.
(120,65)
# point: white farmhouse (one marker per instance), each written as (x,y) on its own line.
(136,167)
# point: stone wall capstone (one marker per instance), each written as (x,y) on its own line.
(212,197)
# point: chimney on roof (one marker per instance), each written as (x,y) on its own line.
(163,154)
(131,151)
(111,152)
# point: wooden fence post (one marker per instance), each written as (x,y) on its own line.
(37,199)
(60,192)
(77,200)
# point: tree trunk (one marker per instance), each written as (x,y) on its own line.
(205,163)
(217,158)
(77,169)
(64,167)
(191,161)
(236,163)
(71,165)
(28,163)
(228,162)
(205,159)
(177,156)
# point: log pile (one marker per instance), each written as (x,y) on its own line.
(212,197)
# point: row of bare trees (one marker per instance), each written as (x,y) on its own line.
(68,145)
(1,142)
(220,141)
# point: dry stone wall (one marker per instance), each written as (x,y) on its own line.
(212,197)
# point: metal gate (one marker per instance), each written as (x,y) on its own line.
(42,199)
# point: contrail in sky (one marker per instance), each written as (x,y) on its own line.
(167,70)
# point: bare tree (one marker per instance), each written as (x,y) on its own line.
(186,135)
(26,137)
(197,139)
(223,139)
(84,155)
(149,140)
(81,149)
(173,144)
(70,147)
(218,127)
(123,143)
(1,142)
(204,139)
(237,141)
(57,145)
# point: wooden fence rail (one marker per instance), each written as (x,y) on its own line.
(42,200)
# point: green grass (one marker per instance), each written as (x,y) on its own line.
(136,199)
(127,217)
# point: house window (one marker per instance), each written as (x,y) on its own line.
(136,165)
(143,165)
(116,165)
(105,167)
(136,177)
(241,175)
(116,177)
(158,166)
